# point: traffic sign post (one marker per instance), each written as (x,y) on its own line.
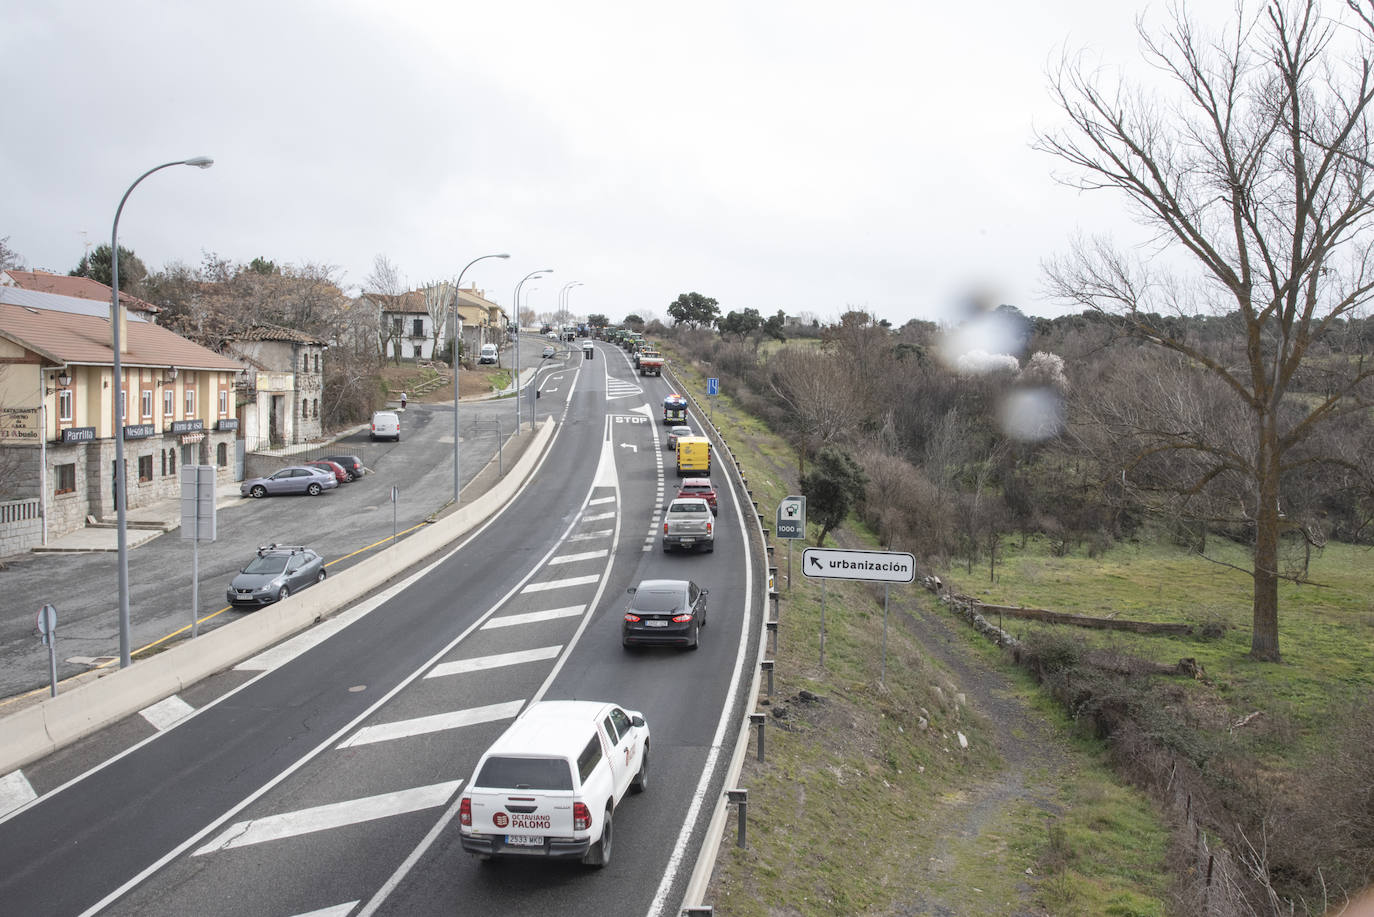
(712,390)
(869,566)
(791,525)
(395,498)
(198,523)
(47,632)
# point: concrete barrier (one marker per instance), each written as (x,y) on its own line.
(43,728)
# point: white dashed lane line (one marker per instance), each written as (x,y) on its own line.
(561,583)
(334,815)
(437,722)
(15,791)
(534,617)
(574,558)
(485,663)
(167,712)
(592,536)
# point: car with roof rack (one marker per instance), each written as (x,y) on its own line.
(275,572)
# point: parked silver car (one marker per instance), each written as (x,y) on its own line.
(276,572)
(293,479)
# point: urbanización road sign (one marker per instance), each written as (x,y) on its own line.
(873,566)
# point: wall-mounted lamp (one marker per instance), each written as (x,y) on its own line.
(63,379)
(169,376)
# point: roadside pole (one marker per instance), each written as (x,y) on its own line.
(790,524)
(47,632)
(198,523)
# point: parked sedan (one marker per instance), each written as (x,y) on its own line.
(293,479)
(665,612)
(548,351)
(352,465)
(275,573)
(333,468)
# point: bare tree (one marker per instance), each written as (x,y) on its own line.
(385,284)
(9,258)
(1257,172)
(439,298)
(816,387)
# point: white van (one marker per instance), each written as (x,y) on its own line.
(489,354)
(386,425)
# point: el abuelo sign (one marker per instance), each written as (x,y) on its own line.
(872,566)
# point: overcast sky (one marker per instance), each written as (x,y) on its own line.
(805,156)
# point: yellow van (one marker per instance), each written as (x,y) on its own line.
(694,456)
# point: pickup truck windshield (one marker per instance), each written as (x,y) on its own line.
(525,774)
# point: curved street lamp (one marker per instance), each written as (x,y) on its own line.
(563,301)
(457,484)
(539,273)
(121,509)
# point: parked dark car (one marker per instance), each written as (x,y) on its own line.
(333,468)
(275,573)
(352,465)
(664,612)
(293,479)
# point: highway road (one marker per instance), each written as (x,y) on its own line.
(323,778)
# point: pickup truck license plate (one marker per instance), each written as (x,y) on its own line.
(524,840)
(688,540)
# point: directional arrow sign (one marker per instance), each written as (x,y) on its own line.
(873,566)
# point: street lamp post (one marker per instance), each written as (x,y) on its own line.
(547,270)
(563,298)
(457,478)
(121,510)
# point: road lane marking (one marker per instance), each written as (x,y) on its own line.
(600,500)
(437,722)
(574,558)
(598,517)
(561,583)
(284,652)
(15,791)
(591,536)
(166,712)
(534,617)
(338,910)
(500,660)
(333,815)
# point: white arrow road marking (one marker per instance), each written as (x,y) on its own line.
(534,617)
(574,558)
(482,663)
(334,815)
(438,722)
(631,446)
(561,583)
(166,712)
(338,910)
(15,791)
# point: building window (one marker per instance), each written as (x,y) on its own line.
(190,402)
(171,455)
(64,405)
(146,401)
(66,479)
(317,362)
(188,454)
(397,324)
(317,409)
(223,402)
(418,330)
(419,351)
(168,403)
(145,469)
(222,455)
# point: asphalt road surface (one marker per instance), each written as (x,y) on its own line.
(323,778)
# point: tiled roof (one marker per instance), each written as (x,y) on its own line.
(80,287)
(277,333)
(86,340)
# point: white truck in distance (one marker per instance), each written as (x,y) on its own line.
(548,787)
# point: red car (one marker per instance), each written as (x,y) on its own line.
(333,468)
(699,487)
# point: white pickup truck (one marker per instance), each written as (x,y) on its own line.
(548,787)
(689,523)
